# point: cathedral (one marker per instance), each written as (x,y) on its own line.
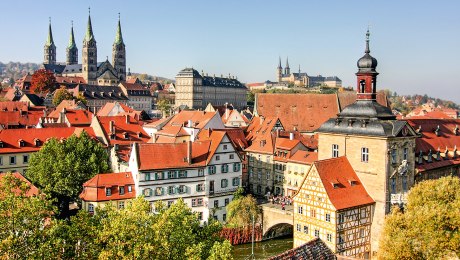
(93,72)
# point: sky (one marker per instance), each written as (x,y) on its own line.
(416,43)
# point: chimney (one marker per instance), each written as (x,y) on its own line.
(154,138)
(189,152)
(189,123)
(63,112)
(112,128)
(45,114)
(277,132)
(127,119)
(291,136)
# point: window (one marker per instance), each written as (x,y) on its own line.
(298,227)
(224,183)
(305,229)
(183,174)
(329,237)
(170,202)
(25,158)
(393,156)
(259,174)
(217,157)
(341,238)
(171,190)
(147,192)
(328,217)
(300,210)
(121,205)
(227,201)
(335,150)
(130,188)
(361,232)
(182,189)
(108,191)
(404,183)
(316,233)
(393,185)
(158,191)
(147,176)
(236,167)
(200,215)
(224,168)
(199,202)
(405,153)
(341,218)
(200,172)
(1,160)
(216,203)
(268,175)
(90,208)
(224,217)
(313,213)
(171,175)
(236,181)
(200,187)
(194,202)
(121,190)
(365,154)
(231,156)
(225,147)
(12,160)
(212,169)
(159,176)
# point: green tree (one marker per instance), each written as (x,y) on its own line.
(429,227)
(22,220)
(164,106)
(241,211)
(128,233)
(221,251)
(60,168)
(60,95)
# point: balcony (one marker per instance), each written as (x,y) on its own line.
(399,198)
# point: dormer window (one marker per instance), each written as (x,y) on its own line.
(125,135)
(112,136)
(37,142)
(438,155)
(335,183)
(430,156)
(139,134)
(1,144)
(21,143)
(352,182)
(121,190)
(108,191)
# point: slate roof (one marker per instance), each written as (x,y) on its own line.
(312,250)
(211,81)
(374,127)
(113,93)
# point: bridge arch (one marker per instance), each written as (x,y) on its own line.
(278,230)
(276,222)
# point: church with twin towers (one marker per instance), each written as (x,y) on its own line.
(104,73)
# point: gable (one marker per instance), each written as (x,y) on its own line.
(406,131)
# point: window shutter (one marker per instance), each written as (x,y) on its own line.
(196,187)
(162,191)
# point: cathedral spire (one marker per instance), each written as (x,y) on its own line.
(118,36)
(50,40)
(367,41)
(71,39)
(279,64)
(287,62)
(89,30)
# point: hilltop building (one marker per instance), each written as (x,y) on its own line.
(302,79)
(196,91)
(93,72)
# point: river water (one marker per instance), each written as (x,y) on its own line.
(263,250)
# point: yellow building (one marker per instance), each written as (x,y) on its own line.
(333,205)
(105,188)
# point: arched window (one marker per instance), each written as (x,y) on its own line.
(362,85)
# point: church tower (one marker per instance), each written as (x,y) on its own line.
(119,54)
(49,48)
(89,55)
(367,75)
(279,72)
(72,50)
(287,70)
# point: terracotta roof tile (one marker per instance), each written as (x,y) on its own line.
(95,188)
(79,117)
(172,155)
(10,138)
(345,194)
(125,133)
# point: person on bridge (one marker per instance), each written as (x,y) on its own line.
(282,205)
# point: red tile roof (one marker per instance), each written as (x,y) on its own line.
(338,171)
(32,191)
(236,136)
(199,118)
(67,104)
(133,86)
(79,117)
(172,155)
(106,110)
(302,112)
(10,138)
(67,79)
(15,119)
(125,133)
(95,188)
(347,98)
(14,106)
(304,157)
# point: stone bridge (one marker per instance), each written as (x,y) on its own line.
(275,221)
